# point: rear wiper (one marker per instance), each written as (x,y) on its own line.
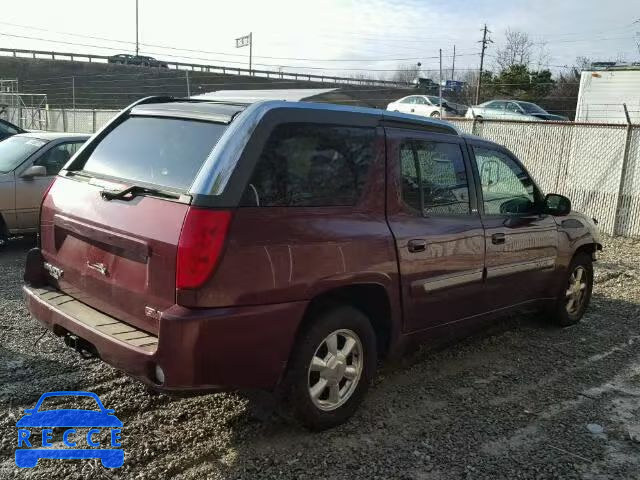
(133,191)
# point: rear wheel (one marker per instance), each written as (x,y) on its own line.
(332,364)
(435,114)
(574,298)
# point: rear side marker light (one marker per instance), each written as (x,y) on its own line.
(201,241)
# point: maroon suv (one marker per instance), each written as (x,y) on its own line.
(203,246)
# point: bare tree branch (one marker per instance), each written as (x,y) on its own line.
(517,50)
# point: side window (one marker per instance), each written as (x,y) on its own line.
(420,101)
(506,187)
(311,165)
(55,158)
(409,100)
(496,105)
(513,107)
(434,180)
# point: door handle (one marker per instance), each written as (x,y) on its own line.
(417,245)
(498,238)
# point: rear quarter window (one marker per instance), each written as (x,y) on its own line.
(311,165)
(166,152)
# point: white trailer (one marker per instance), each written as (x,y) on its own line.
(603,91)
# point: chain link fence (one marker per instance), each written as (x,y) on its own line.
(596,165)
(59,119)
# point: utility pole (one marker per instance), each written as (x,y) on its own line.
(453,66)
(137,45)
(188,84)
(73,100)
(440,85)
(484,42)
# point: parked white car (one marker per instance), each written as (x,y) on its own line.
(512,110)
(425,105)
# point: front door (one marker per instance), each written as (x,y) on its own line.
(522,242)
(29,191)
(431,209)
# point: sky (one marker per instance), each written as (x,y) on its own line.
(334,37)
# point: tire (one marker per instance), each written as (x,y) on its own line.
(338,393)
(4,234)
(570,307)
(435,114)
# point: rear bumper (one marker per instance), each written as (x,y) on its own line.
(204,349)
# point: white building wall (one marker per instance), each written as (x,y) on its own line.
(602,93)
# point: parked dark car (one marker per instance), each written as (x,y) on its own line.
(207,246)
(7,129)
(140,60)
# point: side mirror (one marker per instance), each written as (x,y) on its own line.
(557,205)
(34,171)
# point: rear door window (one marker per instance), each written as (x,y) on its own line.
(311,165)
(166,152)
(434,178)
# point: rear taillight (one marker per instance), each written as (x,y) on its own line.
(200,245)
(46,192)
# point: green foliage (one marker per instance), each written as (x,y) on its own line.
(517,82)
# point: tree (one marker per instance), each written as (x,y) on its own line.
(407,73)
(517,50)
(563,97)
(517,82)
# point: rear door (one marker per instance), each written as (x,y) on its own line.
(522,242)
(431,209)
(118,255)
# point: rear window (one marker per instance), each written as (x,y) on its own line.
(311,165)
(165,152)
(15,150)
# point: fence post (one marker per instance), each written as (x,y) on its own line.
(93,120)
(473,126)
(623,171)
(64,120)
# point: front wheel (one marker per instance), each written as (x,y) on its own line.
(332,364)
(574,298)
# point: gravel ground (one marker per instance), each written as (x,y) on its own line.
(513,403)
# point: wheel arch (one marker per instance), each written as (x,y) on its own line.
(372,299)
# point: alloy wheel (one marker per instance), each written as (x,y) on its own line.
(576,290)
(335,369)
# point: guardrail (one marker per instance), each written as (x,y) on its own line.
(225,70)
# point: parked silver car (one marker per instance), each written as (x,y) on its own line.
(512,110)
(28,164)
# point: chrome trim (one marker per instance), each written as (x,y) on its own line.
(446,281)
(510,269)
(159,112)
(98,267)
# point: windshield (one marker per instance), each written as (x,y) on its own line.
(531,107)
(167,152)
(15,150)
(436,100)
